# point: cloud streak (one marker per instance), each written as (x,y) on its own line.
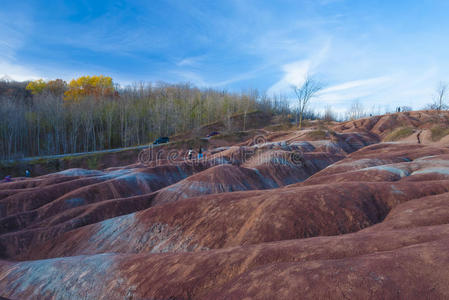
(350,85)
(14,28)
(17,72)
(295,73)
(365,52)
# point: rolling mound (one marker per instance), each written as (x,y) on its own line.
(412,127)
(344,217)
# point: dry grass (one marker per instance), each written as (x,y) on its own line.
(317,135)
(438,133)
(398,134)
(280,127)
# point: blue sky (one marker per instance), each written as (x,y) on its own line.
(381,53)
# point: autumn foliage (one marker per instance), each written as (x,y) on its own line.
(56,87)
(36,87)
(79,88)
(89,86)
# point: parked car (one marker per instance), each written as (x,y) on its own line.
(161,140)
(213,133)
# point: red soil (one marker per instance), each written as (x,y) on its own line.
(254,221)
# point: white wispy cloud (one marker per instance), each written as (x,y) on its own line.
(189,61)
(296,72)
(199,80)
(385,92)
(350,85)
(14,28)
(294,75)
(190,76)
(17,72)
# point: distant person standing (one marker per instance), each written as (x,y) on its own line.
(27,173)
(200,153)
(190,153)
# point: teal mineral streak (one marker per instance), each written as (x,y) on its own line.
(114,228)
(62,278)
(115,174)
(135,177)
(74,202)
(438,170)
(269,182)
(80,172)
(396,191)
(401,173)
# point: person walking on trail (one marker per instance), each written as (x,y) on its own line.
(190,153)
(200,153)
(418,136)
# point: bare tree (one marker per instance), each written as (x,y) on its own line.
(356,111)
(45,123)
(328,114)
(440,97)
(304,94)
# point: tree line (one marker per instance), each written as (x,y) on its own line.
(92,113)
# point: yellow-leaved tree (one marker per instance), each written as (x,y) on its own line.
(56,87)
(93,86)
(37,86)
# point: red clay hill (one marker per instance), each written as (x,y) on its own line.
(354,210)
